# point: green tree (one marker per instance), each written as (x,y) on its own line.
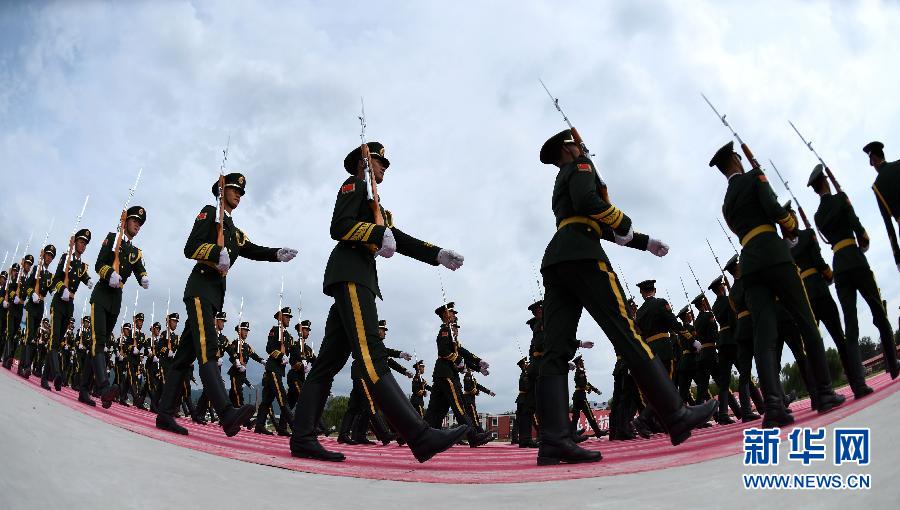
(835,367)
(334,411)
(868,348)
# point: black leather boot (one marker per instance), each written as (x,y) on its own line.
(108,392)
(168,402)
(523,425)
(345,428)
(262,416)
(767,367)
(381,430)
(231,418)
(424,441)
(361,429)
(304,441)
(747,414)
(556,436)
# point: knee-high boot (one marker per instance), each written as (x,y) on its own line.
(556,438)
(304,440)
(231,418)
(168,402)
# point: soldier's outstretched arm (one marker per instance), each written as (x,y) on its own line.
(344,224)
(410,246)
(472,361)
(251,251)
(482,388)
(396,367)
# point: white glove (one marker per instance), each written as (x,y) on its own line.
(405,355)
(145,282)
(118,356)
(286,254)
(284,360)
(134,350)
(219,362)
(224,261)
(793,242)
(485,372)
(408,374)
(35,297)
(155,359)
(450,259)
(66,295)
(587,344)
(241,368)
(623,240)
(571,366)
(115,280)
(90,284)
(483,365)
(388,244)
(171,354)
(306,368)
(6,303)
(657,247)
(697,346)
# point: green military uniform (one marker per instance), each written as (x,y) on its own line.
(278,345)
(751,211)
(420,389)
(687,365)
(4,312)
(887,191)
(726,347)
(15,303)
(580,402)
(841,228)
(239,352)
(447,392)
(61,310)
(302,356)
(743,336)
(471,389)
(577,275)
(204,295)
(656,322)
(524,408)
(38,282)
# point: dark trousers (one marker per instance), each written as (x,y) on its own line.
(686,375)
(272,390)
(13,319)
(862,281)
(103,319)
(236,393)
(762,288)
(33,315)
(580,407)
(419,404)
(446,393)
(60,313)
(826,312)
(707,366)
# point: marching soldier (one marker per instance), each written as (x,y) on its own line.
(364,231)
(203,407)
(420,388)
(4,311)
(690,347)
(535,353)
(153,382)
(37,286)
(279,346)
(817,276)
(82,355)
(239,352)
(580,402)
(106,300)
(204,295)
(62,307)
(751,211)
(743,335)
(471,389)
(577,275)
(166,347)
(849,241)
(887,191)
(134,351)
(525,407)
(726,346)
(14,301)
(446,387)
(302,356)
(122,363)
(656,322)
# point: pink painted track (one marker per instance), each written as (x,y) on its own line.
(493,463)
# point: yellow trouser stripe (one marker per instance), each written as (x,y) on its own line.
(361,333)
(755,232)
(707,345)
(202,330)
(743,314)
(808,307)
(52,330)
(614,285)
(883,201)
(840,245)
(724,328)
(658,336)
(809,272)
(93,332)
(368,395)
(277,389)
(459,408)
(237,391)
(580,219)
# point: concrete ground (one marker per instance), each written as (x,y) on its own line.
(56,457)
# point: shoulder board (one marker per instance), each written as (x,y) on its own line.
(584,167)
(762,178)
(201,216)
(444,332)
(350,187)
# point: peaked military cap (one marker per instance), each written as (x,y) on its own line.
(45,320)
(156,325)
(451,306)
(71,320)
(817,173)
(382,324)
(684,311)
(286,311)
(873,146)
(376,150)
(697,300)
(221,316)
(50,249)
(4,274)
(86,318)
(14,267)
(419,363)
(232,180)
(127,326)
(244,325)
(173,316)
(534,306)
(83,234)
(722,155)
(138,213)
(647,285)
(716,282)
(306,323)
(732,263)
(550,149)
(578,359)
(522,362)
(29,258)
(139,316)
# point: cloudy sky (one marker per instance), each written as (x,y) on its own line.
(91,91)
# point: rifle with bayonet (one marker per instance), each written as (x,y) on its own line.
(372,188)
(827,169)
(719,264)
(220,233)
(744,148)
(800,210)
(71,249)
(120,230)
(41,266)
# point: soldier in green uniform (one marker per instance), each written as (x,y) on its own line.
(15,303)
(153,377)
(751,210)
(420,388)
(37,285)
(743,335)
(106,299)
(690,347)
(165,350)
(62,306)
(239,353)
(471,389)
(838,223)
(278,345)
(204,295)
(887,192)
(133,352)
(726,348)
(577,275)
(302,357)
(4,310)
(203,407)
(82,357)
(525,407)
(351,328)
(123,372)
(447,388)
(817,276)
(580,402)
